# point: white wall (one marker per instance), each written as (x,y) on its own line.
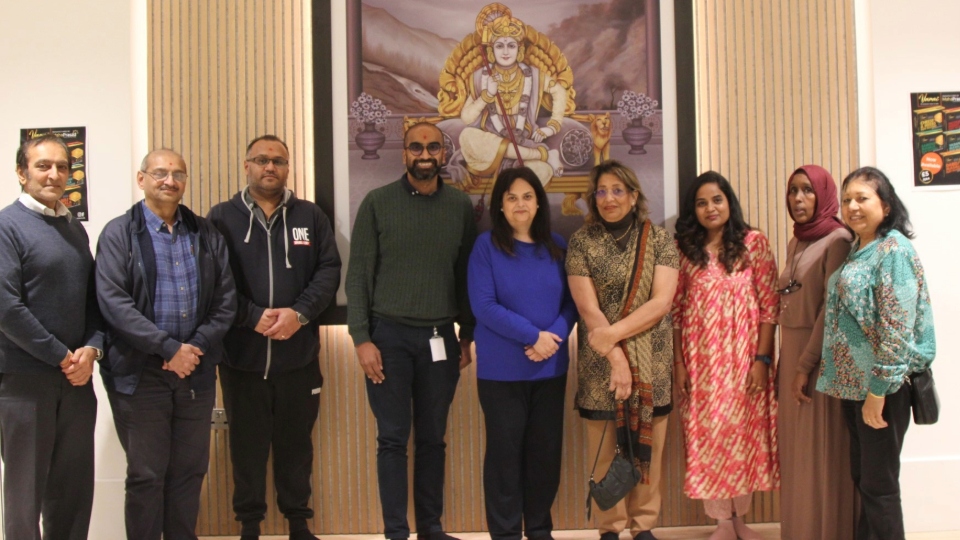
(905,47)
(69,63)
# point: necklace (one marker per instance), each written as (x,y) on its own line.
(511,80)
(624,235)
(793,285)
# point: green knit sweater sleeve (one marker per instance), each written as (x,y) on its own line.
(364,247)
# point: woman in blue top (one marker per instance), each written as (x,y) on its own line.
(519,294)
(878,329)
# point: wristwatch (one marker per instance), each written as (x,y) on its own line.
(98,355)
(301,319)
(763,358)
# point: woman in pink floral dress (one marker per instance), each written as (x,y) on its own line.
(724,316)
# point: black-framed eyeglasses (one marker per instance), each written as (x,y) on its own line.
(416,148)
(262,161)
(792,287)
(162,174)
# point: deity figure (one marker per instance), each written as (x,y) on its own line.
(499,98)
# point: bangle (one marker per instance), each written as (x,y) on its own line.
(763,358)
(680,363)
(869,393)
(487,97)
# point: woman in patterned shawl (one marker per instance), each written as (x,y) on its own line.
(724,317)
(878,329)
(623,273)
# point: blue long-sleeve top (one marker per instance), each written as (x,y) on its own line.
(514,298)
(878,326)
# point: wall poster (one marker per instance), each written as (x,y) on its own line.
(936,138)
(75,197)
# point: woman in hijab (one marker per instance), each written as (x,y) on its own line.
(817,493)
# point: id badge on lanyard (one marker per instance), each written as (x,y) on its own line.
(437,348)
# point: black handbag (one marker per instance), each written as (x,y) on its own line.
(619,480)
(923,398)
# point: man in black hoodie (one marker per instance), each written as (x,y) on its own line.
(287,268)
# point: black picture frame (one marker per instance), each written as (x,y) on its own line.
(323,113)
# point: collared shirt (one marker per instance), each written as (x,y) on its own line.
(258,212)
(175,305)
(878,324)
(27,200)
(408,187)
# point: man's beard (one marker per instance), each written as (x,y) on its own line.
(424,174)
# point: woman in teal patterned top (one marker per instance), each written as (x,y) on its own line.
(878,329)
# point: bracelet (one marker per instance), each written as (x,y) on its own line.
(869,393)
(486,96)
(763,358)
(555,125)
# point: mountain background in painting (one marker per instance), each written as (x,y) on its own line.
(603,42)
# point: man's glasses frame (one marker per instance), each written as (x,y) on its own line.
(416,148)
(162,174)
(261,161)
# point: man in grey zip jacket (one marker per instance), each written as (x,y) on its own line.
(167,293)
(285,260)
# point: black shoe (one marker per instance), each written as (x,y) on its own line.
(610,536)
(249,537)
(439,535)
(303,534)
(645,535)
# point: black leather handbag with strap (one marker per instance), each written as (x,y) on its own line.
(619,480)
(923,398)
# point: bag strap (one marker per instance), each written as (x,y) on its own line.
(597,459)
(637,268)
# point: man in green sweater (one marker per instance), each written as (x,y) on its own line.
(406,286)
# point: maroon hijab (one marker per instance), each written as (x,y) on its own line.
(824,220)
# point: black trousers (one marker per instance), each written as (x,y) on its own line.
(412,377)
(279,411)
(521,466)
(164,429)
(875,466)
(47,446)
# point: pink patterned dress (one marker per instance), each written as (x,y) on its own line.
(731,437)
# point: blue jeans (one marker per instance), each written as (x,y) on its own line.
(417,389)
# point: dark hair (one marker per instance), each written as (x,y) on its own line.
(272,138)
(692,236)
(898,218)
(22,161)
(629,179)
(502,232)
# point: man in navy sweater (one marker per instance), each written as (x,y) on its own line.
(49,340)
(287,267)
(167,295)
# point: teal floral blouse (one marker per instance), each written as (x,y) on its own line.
(878,325)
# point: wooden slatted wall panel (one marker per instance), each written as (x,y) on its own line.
(776,89)
(222,72)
